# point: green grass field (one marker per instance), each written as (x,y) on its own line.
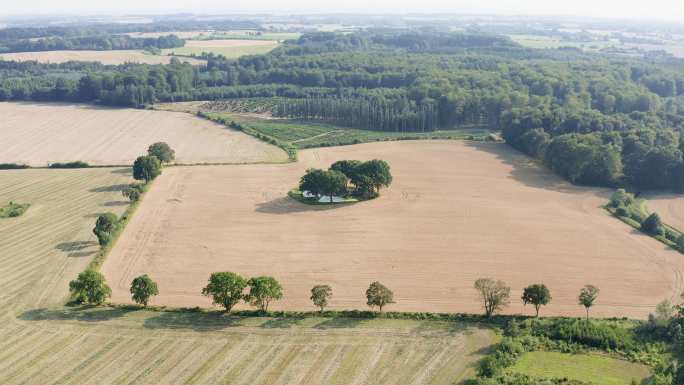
(228,52)
(309,134)
(600,370)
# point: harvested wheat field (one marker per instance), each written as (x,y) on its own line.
(113,57)
(42,342)
(52,242)
(38,134)
(456,211)
(670,208)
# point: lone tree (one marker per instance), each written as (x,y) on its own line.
(146,168)
(378,295)
(538,295)
(262,291)
(652,225)
(142,289)
(495,294)
(587,296)
(162,151)
(90,287)
(225,289)
(105,226)
(324,182)
(320,294)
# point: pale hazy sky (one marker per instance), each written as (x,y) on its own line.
(672,10)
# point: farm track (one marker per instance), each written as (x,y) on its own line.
(42,342)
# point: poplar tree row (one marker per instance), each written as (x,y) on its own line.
(369,114)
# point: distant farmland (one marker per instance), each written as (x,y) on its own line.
(456,211)
(38,134)
(229,48)
(104,57)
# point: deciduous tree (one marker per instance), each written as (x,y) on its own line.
(379,295)
(587,296)
(146,168)
(495,294)
(142,289)
(262,291)
(90,287)
(538,295)
(320,294)
(105,226)
(162,151)
(226,289)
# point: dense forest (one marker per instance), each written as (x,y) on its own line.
(594,119)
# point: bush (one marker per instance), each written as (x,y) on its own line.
(621,198)
(622,212)
(76,164)
(652,225)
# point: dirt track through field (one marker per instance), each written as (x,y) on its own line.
(38,134)
(457,211)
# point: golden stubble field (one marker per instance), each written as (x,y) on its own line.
(38,134)
(113,57)
(457,211)
(43,342)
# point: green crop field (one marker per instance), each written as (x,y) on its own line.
(44,342)
(312,134)
(583,367)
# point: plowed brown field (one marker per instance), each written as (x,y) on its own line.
(105,57)
(457,211)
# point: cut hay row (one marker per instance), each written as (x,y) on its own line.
(38,134)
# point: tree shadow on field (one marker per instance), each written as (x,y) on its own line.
(192,320)
(286,205)
(340,323)
(112,188)
(75,246)
(79,313)
(115,203)
(77,249)
(527,170)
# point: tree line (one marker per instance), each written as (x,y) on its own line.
(96,43)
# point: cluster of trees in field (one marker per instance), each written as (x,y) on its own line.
(362,180)
(94,42)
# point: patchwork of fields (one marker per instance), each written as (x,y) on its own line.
(456,211)
(38,134)
(104,57)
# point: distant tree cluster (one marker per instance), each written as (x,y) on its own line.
(93,42)
(362,180)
